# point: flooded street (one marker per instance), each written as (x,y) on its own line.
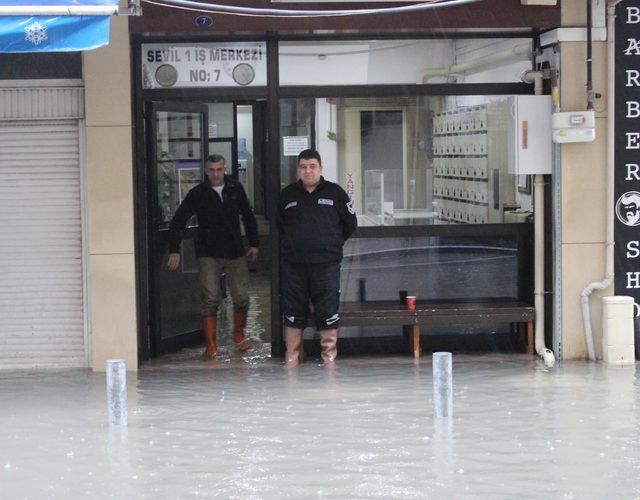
(243,428)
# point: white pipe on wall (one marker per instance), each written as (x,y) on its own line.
(536,77)
(523,51)
(607,281)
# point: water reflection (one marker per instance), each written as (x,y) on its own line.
(365,430)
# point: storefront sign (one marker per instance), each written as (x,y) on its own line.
(292,145)
(204,65)
(627,154)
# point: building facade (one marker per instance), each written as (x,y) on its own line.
(411,113)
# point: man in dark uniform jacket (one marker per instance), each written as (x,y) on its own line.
(219,202)
(316,217)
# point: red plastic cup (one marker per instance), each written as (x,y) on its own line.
(411,302)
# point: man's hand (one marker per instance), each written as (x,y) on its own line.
(174,261)
(252,254)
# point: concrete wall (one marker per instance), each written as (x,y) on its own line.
(109,188)
(583,190)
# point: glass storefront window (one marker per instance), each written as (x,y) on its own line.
(433,267)
(221,119)
(178,161)
(413,160)
(370,62)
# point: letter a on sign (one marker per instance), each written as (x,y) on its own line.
(633,49)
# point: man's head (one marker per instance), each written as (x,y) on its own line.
(309,168)
(214,169)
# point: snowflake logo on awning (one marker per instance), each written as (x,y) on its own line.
(36,33)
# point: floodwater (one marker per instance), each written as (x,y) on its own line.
(244,428)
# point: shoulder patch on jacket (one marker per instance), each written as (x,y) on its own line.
(352,210)
(325,201)
(291,204)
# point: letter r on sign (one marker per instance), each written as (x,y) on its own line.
(632,172)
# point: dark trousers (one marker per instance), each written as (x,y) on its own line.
(318,283)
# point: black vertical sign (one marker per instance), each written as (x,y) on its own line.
(627,155)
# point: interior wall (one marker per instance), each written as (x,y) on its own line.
(505,71)
(245,131)
(326,143)
(362,62)
(349,146)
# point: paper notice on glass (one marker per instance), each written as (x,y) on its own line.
(213,130)
(292,145)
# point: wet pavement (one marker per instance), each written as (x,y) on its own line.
(241,427)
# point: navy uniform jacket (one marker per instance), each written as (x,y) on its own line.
(314,226)
(218,232)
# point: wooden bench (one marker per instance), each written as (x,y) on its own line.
(437,313)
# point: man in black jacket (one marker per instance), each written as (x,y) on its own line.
(316,217)
(219,202)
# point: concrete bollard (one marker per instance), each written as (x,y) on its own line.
(117,392)
(442,385)
(618,344)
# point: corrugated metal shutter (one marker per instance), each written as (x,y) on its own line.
(41,103)
(41,270)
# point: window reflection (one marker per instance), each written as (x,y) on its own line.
(432,268)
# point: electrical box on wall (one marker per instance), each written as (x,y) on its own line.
(574,126)
(529,135)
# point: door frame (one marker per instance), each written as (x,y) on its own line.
(150,343)
(157,344)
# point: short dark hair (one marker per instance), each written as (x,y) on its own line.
(309,154)
(215,159)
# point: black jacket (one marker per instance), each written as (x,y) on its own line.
(218,221)
(314,226)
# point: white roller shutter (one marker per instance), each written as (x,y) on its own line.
(41,260)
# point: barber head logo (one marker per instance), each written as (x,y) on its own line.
(628,208)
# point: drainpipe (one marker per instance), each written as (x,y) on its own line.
(536,77)
(607,281)
(523,51)
(590,93)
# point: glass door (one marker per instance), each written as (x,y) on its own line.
(178,140)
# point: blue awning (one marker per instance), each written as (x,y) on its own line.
(53,33)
